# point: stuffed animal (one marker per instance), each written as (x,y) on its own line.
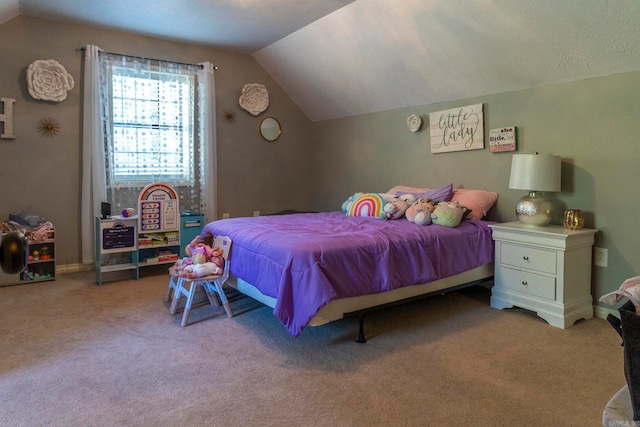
(216,258)
(408,198)
(449,214)
(423,218)
(201,266)
(395,208)
(194,271)
(198,258)
(199,251)
(420,211)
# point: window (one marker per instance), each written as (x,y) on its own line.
(150,127)
(153,129)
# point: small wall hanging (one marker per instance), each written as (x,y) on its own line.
(254,98)
(503,139)
(457,129)
(48,80)
(228,115)
(414,122)
(49,127)
(6,105)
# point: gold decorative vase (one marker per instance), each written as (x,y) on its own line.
(573,219)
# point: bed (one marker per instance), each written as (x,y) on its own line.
(313,268)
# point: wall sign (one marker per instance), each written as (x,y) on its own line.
(503,139)
(457,129)
(7,118)
(158,208)
(119,236)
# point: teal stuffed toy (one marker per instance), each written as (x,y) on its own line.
(449,214)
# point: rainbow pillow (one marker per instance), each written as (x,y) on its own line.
(367,205)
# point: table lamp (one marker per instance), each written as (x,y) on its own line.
(535,173)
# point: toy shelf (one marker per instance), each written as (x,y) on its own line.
(41,263)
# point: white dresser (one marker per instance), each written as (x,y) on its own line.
(544,269)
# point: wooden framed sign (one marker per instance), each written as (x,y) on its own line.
(457,129)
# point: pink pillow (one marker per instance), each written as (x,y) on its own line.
(479,201)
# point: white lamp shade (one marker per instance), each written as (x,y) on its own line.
(535,172)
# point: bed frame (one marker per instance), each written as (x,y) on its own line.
(359,306)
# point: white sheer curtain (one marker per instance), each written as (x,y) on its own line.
(207,130)
(132,138)
(93,163)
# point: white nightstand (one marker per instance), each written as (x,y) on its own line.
(544,269)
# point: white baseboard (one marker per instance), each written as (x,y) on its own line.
(602,312)
(73,268)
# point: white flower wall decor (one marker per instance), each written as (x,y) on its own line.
(414,122)
(254,98)
(48,80)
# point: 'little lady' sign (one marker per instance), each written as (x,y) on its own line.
(457,129)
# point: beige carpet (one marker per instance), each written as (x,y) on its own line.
(75,354)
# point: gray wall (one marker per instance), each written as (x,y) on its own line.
(594,125)
(43,174)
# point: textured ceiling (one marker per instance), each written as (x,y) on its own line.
(378,55)
(339,58)
(239,25)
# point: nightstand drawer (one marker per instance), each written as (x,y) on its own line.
(529,258)
(529,283)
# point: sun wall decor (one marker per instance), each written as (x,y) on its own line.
(49,126)
(228,115)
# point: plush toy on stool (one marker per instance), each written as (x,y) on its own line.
(200,267)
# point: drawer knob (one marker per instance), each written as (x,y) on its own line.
(526,258)
(524,282)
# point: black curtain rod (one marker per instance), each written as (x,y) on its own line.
(82,49)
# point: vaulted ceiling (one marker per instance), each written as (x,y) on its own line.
(338,58)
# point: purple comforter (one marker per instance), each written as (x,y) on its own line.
(307,260)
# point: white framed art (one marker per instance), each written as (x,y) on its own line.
(457,129)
